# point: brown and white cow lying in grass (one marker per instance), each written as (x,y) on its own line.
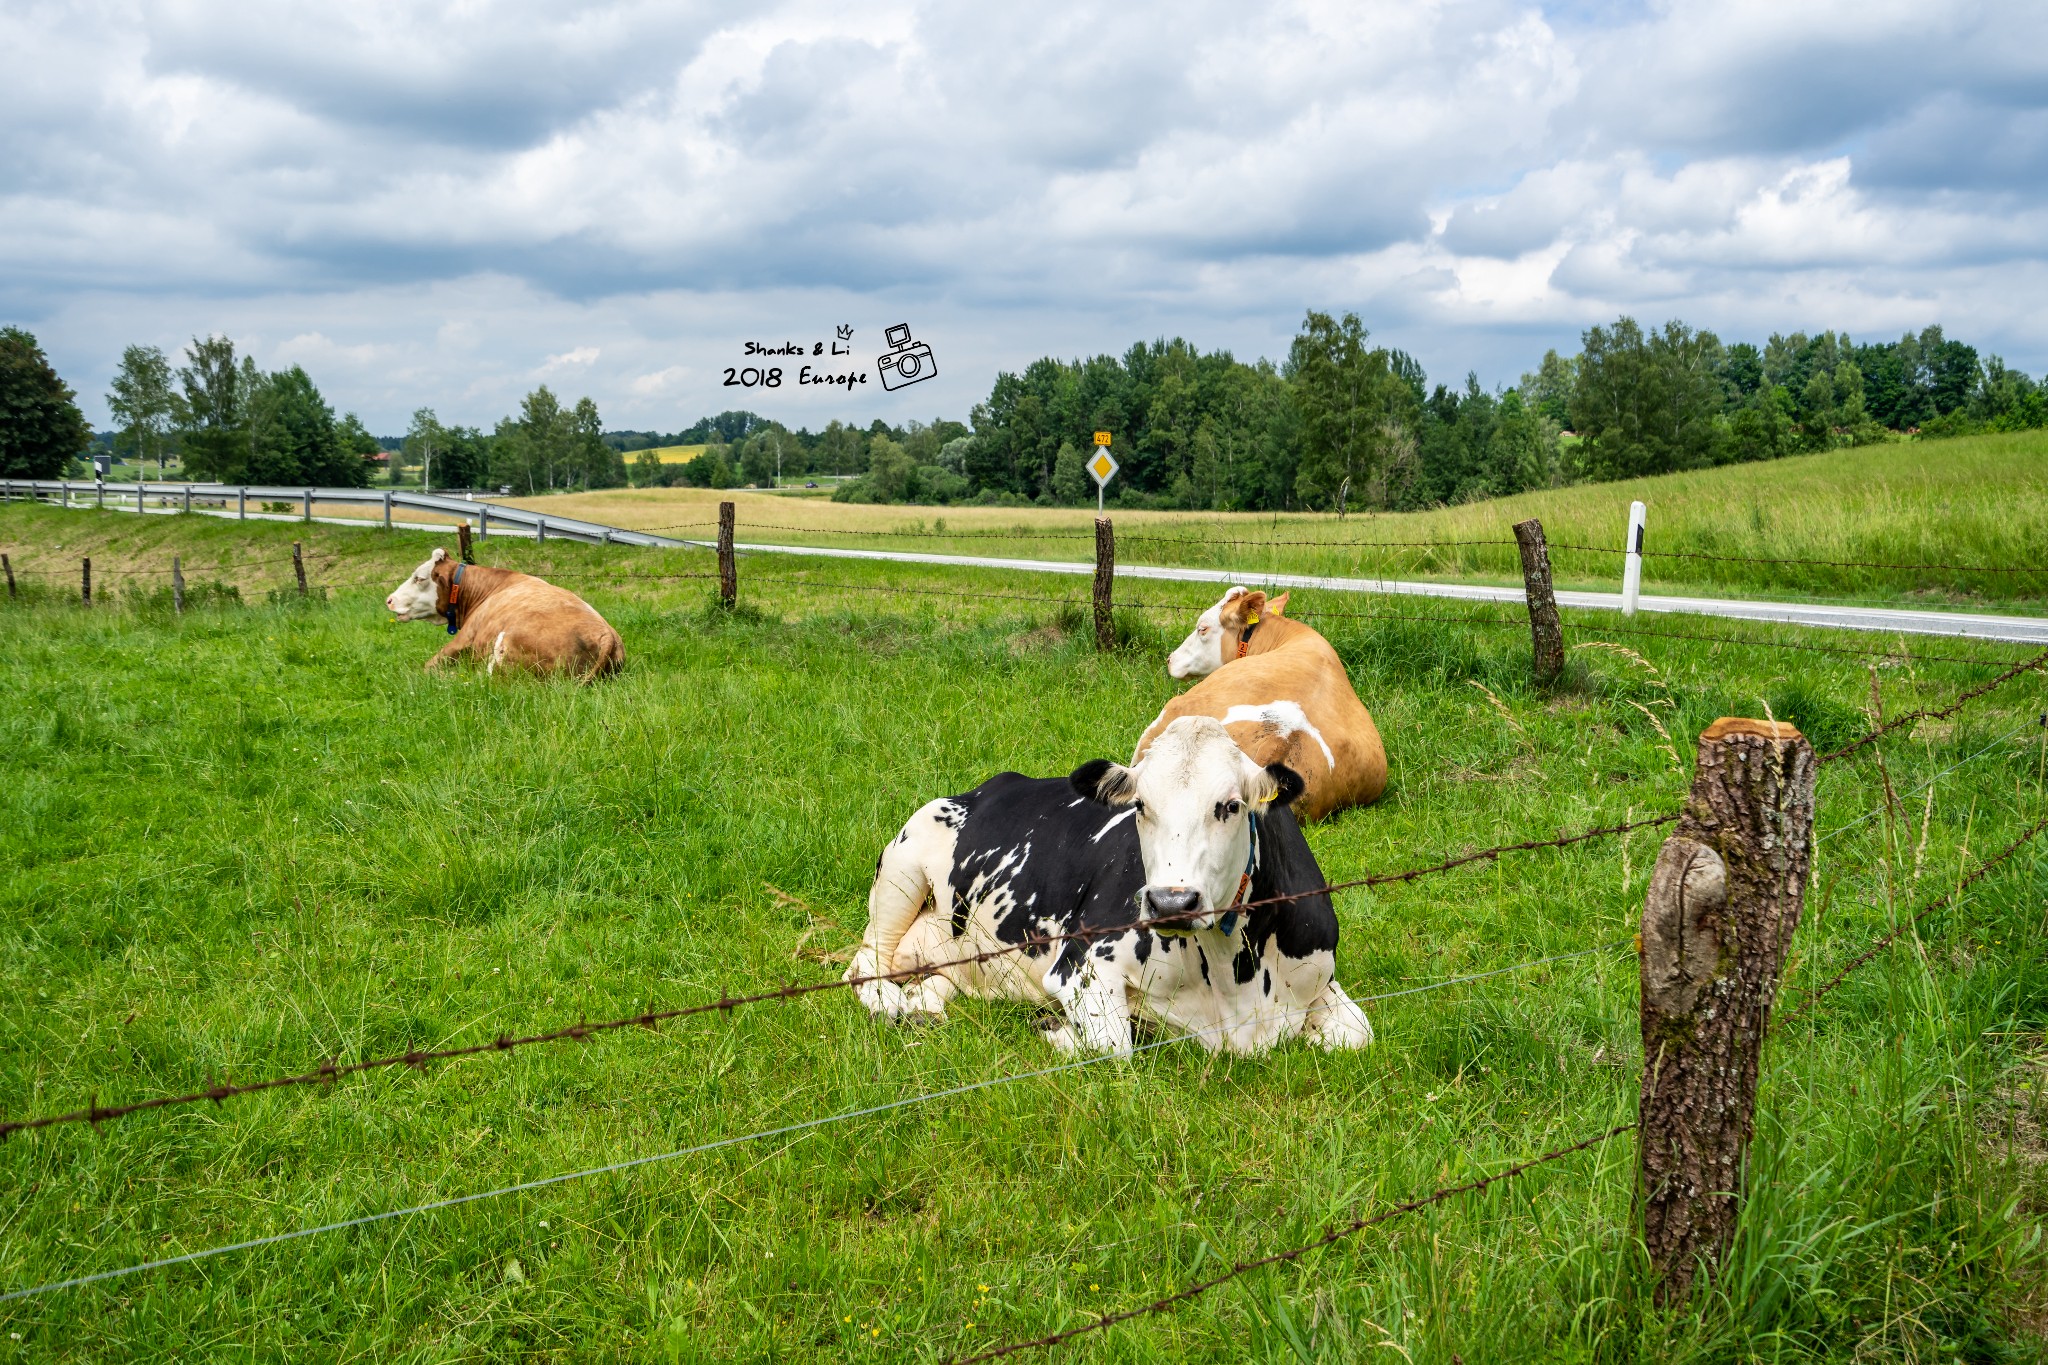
(1285,697)
(508,618)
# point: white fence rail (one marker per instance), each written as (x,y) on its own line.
(219,497)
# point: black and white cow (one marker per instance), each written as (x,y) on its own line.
(1169,846)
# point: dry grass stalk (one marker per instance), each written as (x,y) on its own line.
(1669,748)
(1499,706)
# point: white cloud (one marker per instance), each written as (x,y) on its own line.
(440,205)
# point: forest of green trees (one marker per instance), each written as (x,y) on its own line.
(1344,423)
(1341,423)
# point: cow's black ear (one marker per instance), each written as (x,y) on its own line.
(1100,779)
(1287,783)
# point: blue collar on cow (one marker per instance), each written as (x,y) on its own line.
(454,612)
(1228,922)
(1244,641)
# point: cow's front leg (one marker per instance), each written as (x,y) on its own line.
(1092,994)
(1336,1022)
(448,653)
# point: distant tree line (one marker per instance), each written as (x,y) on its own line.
(1339,424)
(1343,424)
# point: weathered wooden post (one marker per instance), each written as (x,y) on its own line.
(299,567)
(177,585)
(85,581)
(728,567)
(1724,900)
(8,565)
(1546,633)
(1105,585)
(462,543)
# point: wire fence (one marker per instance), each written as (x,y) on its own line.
(328,1072)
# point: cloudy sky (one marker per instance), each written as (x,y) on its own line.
(447,204)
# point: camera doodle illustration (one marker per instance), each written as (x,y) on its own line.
(908,362)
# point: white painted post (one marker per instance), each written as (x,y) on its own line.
(1632,566)
(67,492)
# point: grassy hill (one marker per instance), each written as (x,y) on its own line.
(1980,503)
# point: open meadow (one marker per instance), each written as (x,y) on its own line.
(1976,501)
(248,839)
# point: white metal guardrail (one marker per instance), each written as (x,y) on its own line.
(218,497)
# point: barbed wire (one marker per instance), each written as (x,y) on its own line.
(1335,1234)
(1982,870)
(783,1130)
(1964,699)
(1851,652)
(1811,563)
(420,1058)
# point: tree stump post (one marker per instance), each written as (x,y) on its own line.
(299,567)
(728,566)
(462,543)
(85,581)
(1545,632)
(1105,585)
(1724,900)
(177,585)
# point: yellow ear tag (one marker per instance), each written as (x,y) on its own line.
(1268,800)
(1255,620)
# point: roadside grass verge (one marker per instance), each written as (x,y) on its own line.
(255,836)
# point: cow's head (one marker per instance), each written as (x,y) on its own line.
(418,598)
(1192,793)
(1213,642)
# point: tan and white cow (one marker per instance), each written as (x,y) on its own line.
(508,618)
(1284,695)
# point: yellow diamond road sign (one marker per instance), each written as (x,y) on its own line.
(1102,466)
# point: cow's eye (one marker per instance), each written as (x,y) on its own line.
(1227,810)
(1138,806)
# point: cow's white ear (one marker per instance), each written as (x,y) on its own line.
(440,553)
(1105,781)
(1233,595)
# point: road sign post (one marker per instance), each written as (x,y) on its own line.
(1103,467)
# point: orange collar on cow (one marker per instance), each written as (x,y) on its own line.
(454,612)
(1244,641)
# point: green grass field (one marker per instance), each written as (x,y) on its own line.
(257,836)
(1981,501)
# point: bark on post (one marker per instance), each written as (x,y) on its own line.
(85,581)
(177,585)
(462,543)
(728,568)
(299,567)
(1105,585)
(1547,634)
(1724,900)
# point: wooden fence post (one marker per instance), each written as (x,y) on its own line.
(85,581)
(299,567)
(462,543)
(728,567)
(1724,900)
(8,564)
(1105,585)
(177,585)
(1544,630)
